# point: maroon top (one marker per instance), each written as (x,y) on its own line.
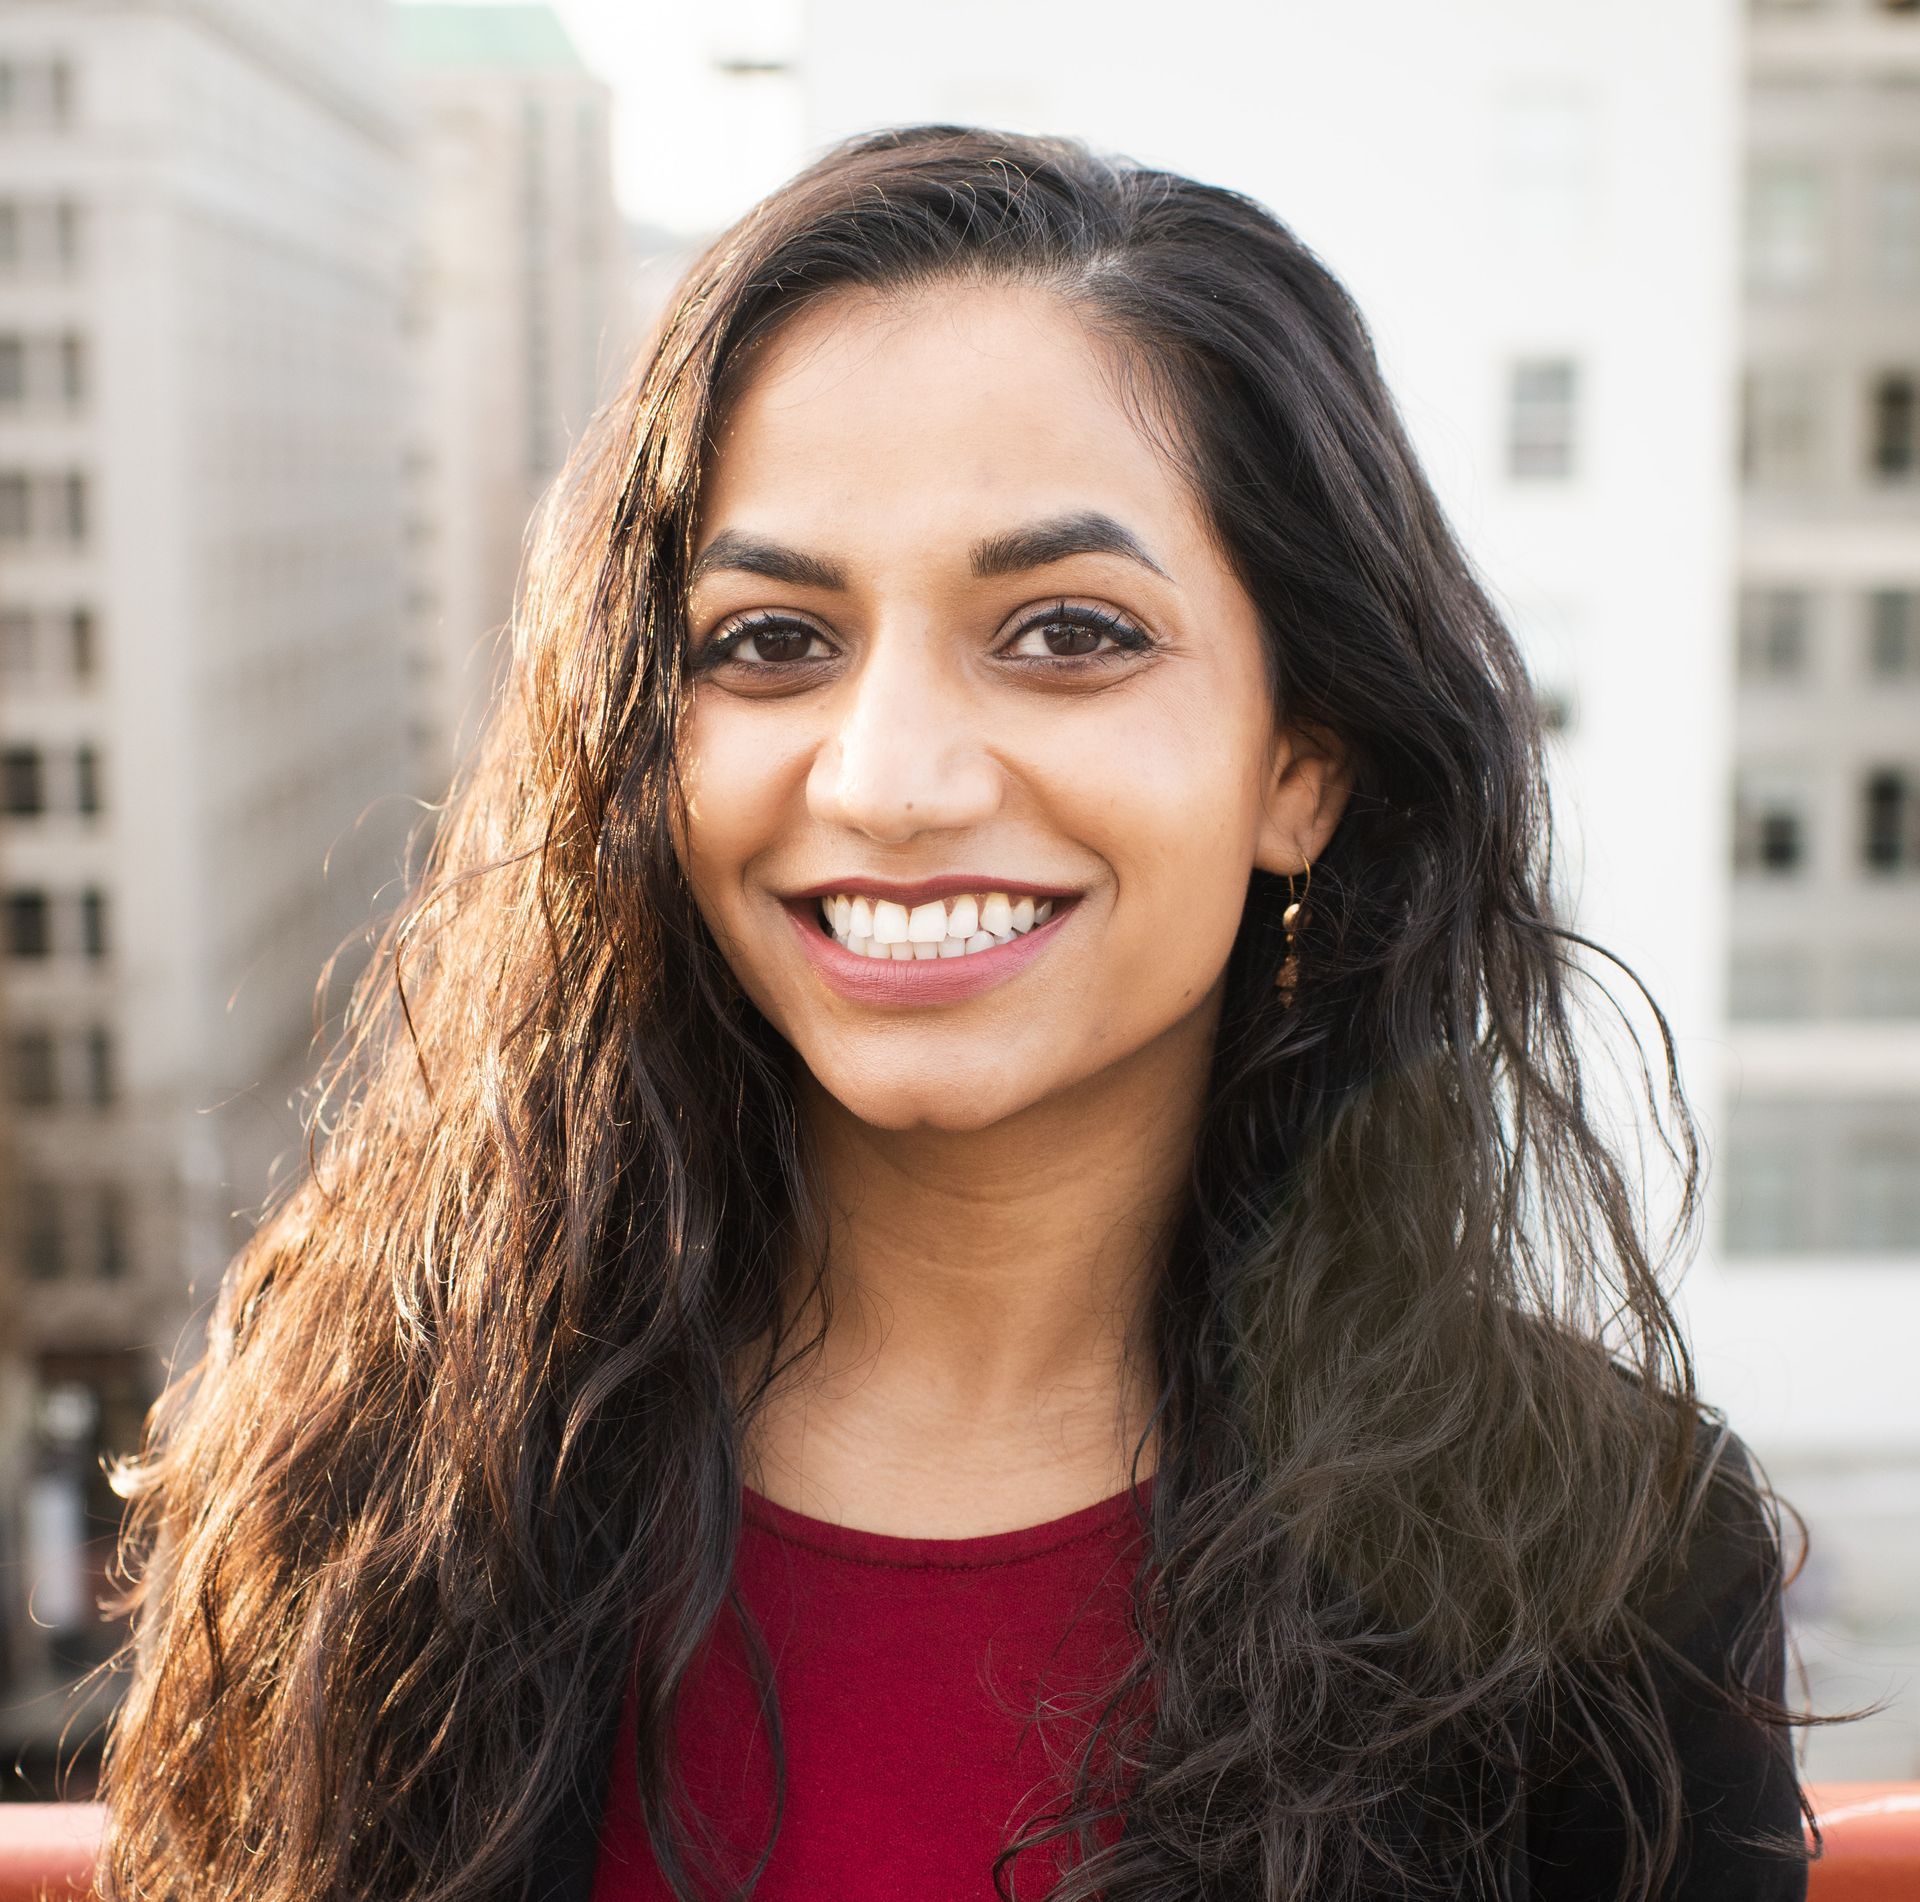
(904,1668)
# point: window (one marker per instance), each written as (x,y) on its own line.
(1540,419)
(29,925)
(1893,633)
(86,781)
(41,1253)
(109,1234)
(1781,434)
(1773,632)
(73,1227)
(35,93)
(32,1072)
(23,790)
(93,922)
(1786,235)
(100,1067)
(1894,432)
(1769,825)
(39,235)
(1890,838)
(43,369)
(83,648)
(1779,845)
(59,513)
(1900,6)
(16,644)
(1879,1201)
(1832,1174)
(1894,226)
(73,508)
(1768,1199)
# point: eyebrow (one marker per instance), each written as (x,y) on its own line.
(1088,533)
(772,561)
(1013,552)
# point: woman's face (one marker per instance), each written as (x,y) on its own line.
(970,670)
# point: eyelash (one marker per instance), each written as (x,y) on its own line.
(1127,639)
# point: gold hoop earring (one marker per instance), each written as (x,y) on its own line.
(1287,979)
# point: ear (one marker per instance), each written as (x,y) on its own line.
(1303,797)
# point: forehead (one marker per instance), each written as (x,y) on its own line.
(950,407)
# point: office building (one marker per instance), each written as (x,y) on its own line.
(1821,1148)
(518,317)
(201,242)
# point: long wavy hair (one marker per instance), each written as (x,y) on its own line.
(462,1456)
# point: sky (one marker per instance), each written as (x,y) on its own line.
(693,145)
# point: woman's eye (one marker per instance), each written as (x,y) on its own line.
(1070,637)
(1065,633)
(763,642)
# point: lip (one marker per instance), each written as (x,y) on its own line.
(918,980)
(918,891)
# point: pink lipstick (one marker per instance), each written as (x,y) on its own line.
(896,981)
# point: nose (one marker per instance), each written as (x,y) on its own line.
(906,752)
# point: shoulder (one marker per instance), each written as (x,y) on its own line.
(1703,1663)
(1715,1606)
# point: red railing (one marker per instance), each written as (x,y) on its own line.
(46,1849)
(1872,1833)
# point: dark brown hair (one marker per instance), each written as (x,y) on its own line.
(464,1444)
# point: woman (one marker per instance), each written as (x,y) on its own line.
(961,1243)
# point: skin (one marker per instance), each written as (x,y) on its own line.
(999,1171)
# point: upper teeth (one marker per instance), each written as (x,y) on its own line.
(941,928)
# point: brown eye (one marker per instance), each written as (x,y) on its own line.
(1066,638)
(1076,632)
(780,642)
(767,644)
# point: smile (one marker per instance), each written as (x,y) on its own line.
(961,926)
(921,948)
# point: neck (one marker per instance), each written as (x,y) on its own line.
(986,1354)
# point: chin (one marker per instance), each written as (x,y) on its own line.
(913,1102)
(904,1110)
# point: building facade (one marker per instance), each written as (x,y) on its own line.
(518,317)
(1825,958)
(201,245)
(1821,1147)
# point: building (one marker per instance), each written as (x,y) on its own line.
(1825,967)
(201,245)
(1822,1140)
(518,316)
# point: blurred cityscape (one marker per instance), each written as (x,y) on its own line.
(301,302)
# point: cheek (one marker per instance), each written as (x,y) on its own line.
(1175,811)
(736,773)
